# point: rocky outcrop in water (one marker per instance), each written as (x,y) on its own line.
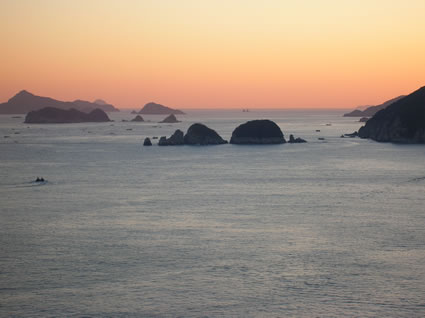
(372,110)
(401,122)
(171,119)
(147,142)
(293,140)
(24,102)
(363,119)
(51,115)
(199,134)
(351,135)
(176,139)
(262,131)
(138,118)
(158,109)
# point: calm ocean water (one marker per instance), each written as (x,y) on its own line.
(330,228)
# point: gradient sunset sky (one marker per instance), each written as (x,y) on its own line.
(214,54)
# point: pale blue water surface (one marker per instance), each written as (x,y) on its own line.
(330,228)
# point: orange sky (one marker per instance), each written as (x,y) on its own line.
(215,54)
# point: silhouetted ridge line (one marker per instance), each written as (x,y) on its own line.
(372,110)
(402,121)
(24,102)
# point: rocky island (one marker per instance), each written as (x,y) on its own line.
(293,140)
(401,122)
(171,119)
(147,142)
(199,134)
(51,115)
(138,118)
(24,102)
(158,109)
(176,139)
(262,131)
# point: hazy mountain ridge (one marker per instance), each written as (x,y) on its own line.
(372,110)
(403,121)
(24,102)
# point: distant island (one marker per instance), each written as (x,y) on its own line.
(51,115)
(372,110)
(138,118)
(24,102)
(170,119)
(158,109)
(403,121)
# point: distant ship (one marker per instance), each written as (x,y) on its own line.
(245,110)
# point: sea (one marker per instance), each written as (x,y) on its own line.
(334,227)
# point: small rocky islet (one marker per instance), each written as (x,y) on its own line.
(293,140)
(259,132)
(170,119)
(138,118)
(147,142)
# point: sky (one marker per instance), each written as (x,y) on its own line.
(214,54)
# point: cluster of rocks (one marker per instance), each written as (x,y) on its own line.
(171,119)
(293,140)
(252,132)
